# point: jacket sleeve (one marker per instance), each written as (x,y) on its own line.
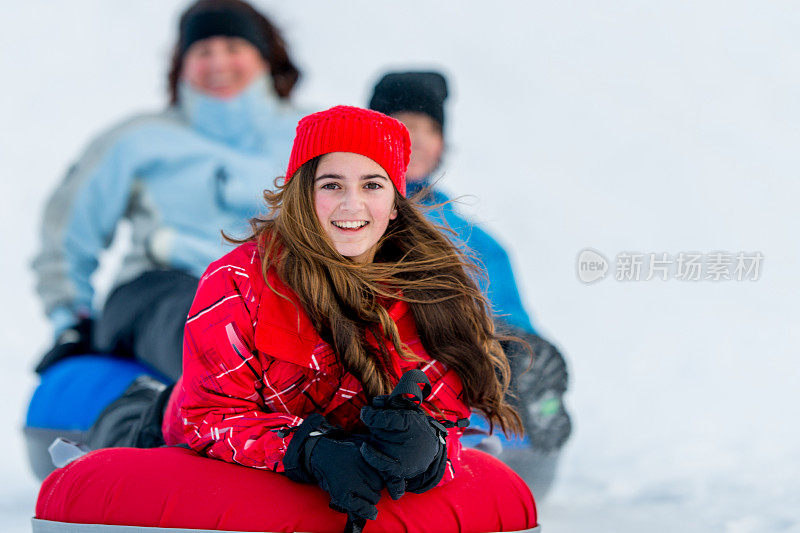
(79,222)
(223,412)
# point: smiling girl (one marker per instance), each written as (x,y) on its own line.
(296,337)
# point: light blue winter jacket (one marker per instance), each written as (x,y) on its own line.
(179,176)
(502,288)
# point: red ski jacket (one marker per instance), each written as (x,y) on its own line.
(254,365)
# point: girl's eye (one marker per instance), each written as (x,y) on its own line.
(373,185)
(330,186)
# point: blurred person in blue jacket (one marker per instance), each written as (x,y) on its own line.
(179,176)
(417,99)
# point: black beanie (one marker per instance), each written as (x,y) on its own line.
(421,92)
(228,21)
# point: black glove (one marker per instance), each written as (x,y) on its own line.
(539,389)
(405,445)
(76,340)
(326,455)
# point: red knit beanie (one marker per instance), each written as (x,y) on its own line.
(352,129)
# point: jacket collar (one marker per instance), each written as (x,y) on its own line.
(413,187)
(434,196)
(284,330)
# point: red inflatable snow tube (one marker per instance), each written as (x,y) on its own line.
(177,488)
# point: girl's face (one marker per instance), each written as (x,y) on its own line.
(427,144)
(354,201)
(222,66)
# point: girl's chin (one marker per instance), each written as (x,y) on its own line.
(359,255)
(351,254)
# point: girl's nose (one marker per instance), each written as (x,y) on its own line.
(352,199)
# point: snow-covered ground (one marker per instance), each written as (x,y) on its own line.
(622,126)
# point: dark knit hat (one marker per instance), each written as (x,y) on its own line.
(224,19)
(352,129)
(421,92)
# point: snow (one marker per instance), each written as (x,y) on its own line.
(618,126)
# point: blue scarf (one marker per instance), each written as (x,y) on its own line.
(242,121)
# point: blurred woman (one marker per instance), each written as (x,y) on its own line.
(178,176)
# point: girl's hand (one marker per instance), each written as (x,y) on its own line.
(354,487)
(325,455)
(405,445)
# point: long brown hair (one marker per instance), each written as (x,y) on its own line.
(414,262)
(283,71)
